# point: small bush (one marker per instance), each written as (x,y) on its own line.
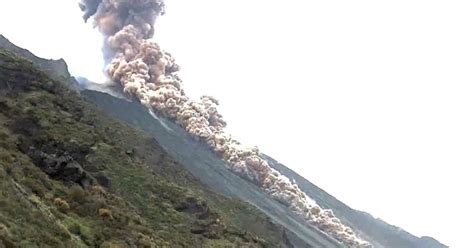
(61,204)
(4,231)
(77,194)
(144,242)
(74,228)
(90,207)
(97,190)
(105,214)
(111,245)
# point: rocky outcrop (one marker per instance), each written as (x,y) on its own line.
(62,167)
(57,69)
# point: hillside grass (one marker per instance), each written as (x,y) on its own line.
(147,200)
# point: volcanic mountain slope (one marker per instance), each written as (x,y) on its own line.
(72,177)
(203,164)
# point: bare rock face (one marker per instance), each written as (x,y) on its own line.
(62,167)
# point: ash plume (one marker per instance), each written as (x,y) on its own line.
(89,7)
(149,74)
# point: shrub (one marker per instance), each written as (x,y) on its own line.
(4,231)
(105,214)
(111,245)
(97,190)
(90,207)
(144,242)
(61,204)
(5,237)
(77,194)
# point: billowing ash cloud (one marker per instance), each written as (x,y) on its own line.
(89,7)
(149,74)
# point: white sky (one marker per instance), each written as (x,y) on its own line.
(382,92)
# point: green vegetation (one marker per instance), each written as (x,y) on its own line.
(72,177)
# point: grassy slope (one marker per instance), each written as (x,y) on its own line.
(153,201)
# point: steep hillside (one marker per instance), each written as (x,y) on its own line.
(204,164)
(72,177)
(208,168)
(56,69)
(164,172)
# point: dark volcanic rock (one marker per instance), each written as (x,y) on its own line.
(103,180)
(62,167)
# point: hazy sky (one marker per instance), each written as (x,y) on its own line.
(371,100)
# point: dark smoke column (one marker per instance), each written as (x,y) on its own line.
(149,74)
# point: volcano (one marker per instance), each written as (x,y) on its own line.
(72,168)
